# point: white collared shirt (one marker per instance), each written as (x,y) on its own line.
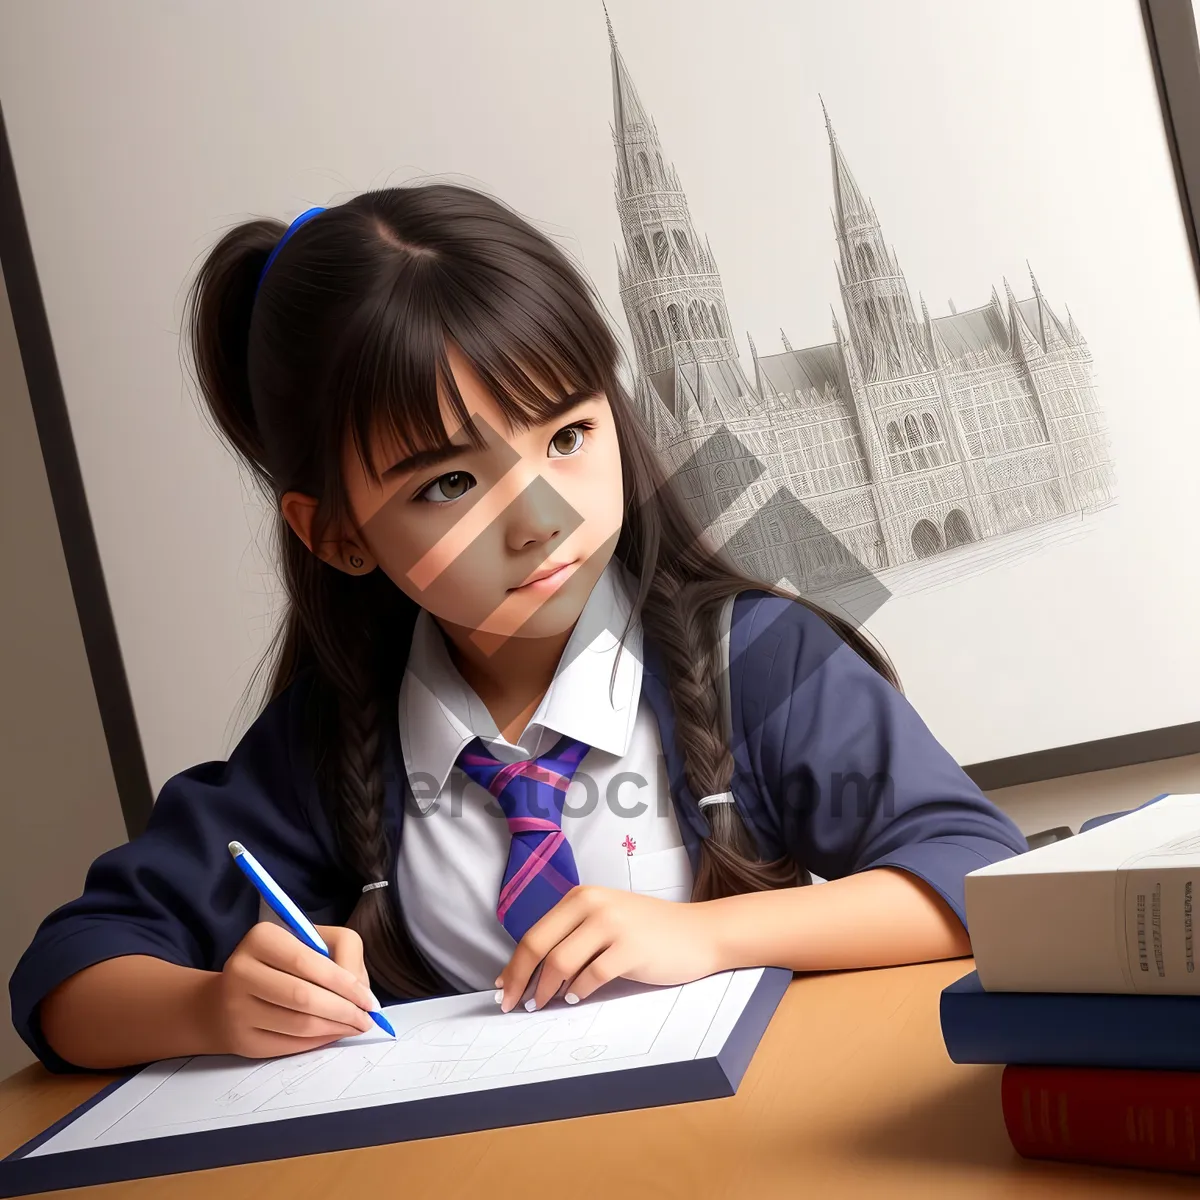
(618,816)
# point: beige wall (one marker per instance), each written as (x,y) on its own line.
(58,801)
(1071,801)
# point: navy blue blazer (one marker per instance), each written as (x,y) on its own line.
(833,767)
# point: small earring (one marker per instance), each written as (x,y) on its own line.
(355,561)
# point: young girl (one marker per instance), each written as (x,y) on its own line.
(501,731)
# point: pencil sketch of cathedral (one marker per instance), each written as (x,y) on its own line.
(904,437)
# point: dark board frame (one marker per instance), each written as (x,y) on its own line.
(1172,41)
(71,511)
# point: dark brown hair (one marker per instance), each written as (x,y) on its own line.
(350,329)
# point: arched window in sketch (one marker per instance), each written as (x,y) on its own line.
(675,320)
(934,442)
(656,330)
(913,432)
(662,170)
(684,248)
(958,528)
(926,539)
(642,250)
(662,249)
(866,256)
(901,461)
(644,168)
(644,329)
(716,316)
(696,320)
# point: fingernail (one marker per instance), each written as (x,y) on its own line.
(499,997)
(530,1005)
(375,1005)
(571,998)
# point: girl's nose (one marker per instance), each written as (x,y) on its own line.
(539,514)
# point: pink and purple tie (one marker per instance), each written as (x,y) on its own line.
(541,868)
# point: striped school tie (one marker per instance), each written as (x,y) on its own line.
(541,868)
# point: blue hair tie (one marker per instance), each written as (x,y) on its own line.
(279,245)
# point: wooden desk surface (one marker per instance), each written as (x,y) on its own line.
(850,1094)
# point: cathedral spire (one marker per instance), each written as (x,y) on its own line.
(851,207)
(631,127)
(786,344)
(997,305)
(1054,333)
(670,286)
(879,311)
(1020,337)
(758,383)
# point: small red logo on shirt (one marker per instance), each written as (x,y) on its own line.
(629,844)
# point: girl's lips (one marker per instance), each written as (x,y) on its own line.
(549,582)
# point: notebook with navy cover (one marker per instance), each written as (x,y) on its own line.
(457,1065)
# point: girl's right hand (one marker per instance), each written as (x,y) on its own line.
(277,996)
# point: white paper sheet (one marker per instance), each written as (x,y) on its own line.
(444,1046)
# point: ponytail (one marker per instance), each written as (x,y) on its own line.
(219,307)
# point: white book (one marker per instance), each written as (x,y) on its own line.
(1109,910)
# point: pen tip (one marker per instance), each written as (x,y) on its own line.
(236,848)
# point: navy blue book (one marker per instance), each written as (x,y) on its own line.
(1070,1029)
(457,1064)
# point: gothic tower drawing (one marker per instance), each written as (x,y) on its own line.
(904,437)
(670,285)
(691,387)
(876,299)
(915,455)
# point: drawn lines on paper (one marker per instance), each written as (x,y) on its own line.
(472,1050)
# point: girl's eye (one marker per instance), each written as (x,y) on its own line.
(451,486)
(455,484)
(570,439)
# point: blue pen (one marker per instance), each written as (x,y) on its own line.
(289,913)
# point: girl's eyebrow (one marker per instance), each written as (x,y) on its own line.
(422,459)
(427,458)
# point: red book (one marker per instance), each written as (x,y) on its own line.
(1148,1119)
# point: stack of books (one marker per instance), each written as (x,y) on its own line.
(1087,989)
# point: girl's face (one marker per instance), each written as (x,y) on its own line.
(470,534)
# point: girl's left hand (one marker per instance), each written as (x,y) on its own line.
(595,934)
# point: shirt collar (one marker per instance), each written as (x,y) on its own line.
(439,713)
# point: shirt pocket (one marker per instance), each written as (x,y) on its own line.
(666,874)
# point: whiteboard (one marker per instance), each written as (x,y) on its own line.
(986,137)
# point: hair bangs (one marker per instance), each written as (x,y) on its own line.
(394,372)
(526,359)
(527,348)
